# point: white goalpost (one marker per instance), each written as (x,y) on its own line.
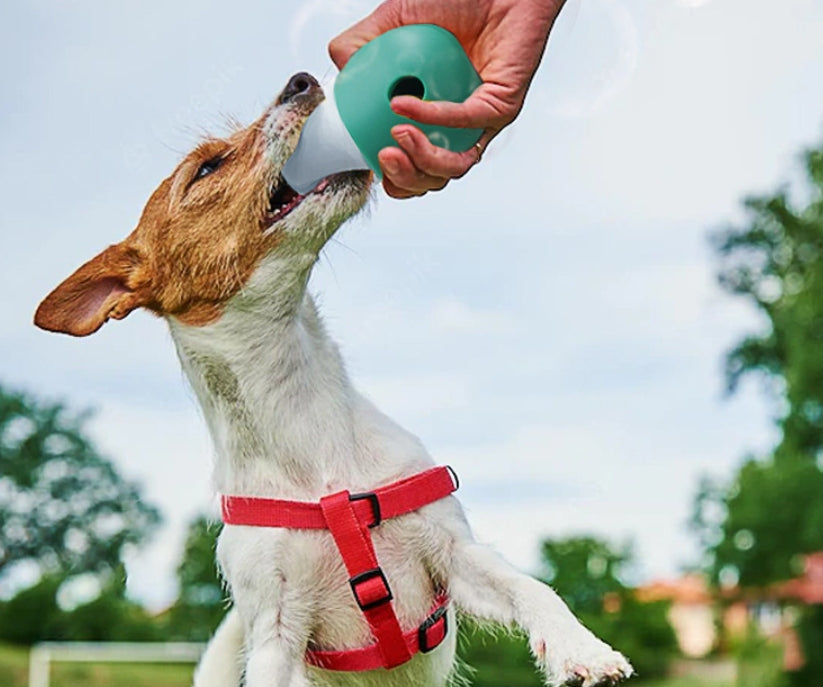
(44,653)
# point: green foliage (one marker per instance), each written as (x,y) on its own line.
(62,506)
(772,511)
(111,617)
(33,614)
(587,572)
(756,526)
(810,633)
(496,659)
(760,663)
(201,603)
(641,631)
(775,263)
(583,571)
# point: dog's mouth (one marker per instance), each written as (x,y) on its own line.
(284,199)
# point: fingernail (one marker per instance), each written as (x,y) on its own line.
(403,137)
(391,166)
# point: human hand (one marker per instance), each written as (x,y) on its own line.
(504,39)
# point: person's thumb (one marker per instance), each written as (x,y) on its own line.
(383,19)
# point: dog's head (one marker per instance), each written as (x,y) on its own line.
(222,213)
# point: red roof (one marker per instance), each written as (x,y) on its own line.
(692,589)
(808,588)
(689,589)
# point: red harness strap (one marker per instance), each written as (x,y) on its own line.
(349,517)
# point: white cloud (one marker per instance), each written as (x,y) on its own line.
(598,477)
(450,316)
(418,397)
(169,453)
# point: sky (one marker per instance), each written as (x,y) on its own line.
(550,325)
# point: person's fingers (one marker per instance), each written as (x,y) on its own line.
(343,46)
(396,192)
(400,173)
(483,109)
(433,160)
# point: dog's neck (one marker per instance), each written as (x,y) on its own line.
(273,389)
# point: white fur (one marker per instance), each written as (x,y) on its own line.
(287,423)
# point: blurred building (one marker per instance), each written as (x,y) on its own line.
(691,614)
(697,612)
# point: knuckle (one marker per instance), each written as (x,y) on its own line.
(337,49)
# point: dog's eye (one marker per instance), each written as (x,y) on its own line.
(208,167)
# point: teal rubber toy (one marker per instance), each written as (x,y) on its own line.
(422,60)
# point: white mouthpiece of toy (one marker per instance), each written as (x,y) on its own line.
(325,147)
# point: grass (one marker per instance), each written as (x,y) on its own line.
(761,664)
(14,666)
(685,682)
(14,673)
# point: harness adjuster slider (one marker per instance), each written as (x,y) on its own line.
(371,589)
(372,498)
(433,630)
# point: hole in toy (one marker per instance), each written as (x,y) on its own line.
(407,85)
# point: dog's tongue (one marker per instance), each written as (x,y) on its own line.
(325,148)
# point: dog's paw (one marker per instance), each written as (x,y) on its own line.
(587,662)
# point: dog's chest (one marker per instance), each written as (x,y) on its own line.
(301,573)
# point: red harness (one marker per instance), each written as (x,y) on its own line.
(349,517)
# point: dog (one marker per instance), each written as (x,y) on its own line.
(223,251)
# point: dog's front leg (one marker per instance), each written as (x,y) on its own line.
(484,586)
(222,663)
(275,656)
(272,606)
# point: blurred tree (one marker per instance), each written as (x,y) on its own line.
(584,570)
(63,507)
(202,601)
(33,614)
(111,616)
(495,658)
(754,527)
(776,263)
(588,574)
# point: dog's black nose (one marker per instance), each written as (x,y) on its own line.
(300,83)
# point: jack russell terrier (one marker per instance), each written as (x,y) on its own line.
(344,551)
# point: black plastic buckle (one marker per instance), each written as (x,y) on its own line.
(454,477)
(371,497)
(423,632)
(365,577)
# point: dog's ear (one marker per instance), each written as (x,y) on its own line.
(100,289)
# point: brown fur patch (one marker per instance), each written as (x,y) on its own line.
(195,246)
